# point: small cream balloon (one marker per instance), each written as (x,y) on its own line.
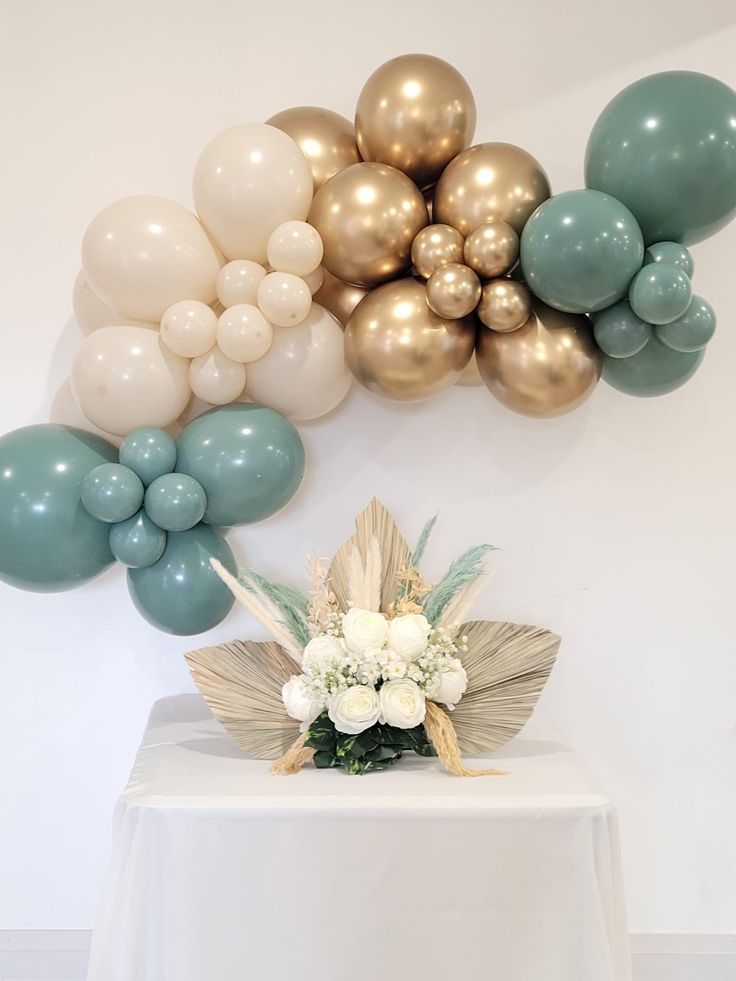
(238,281)
(295,247)
(189,328)
(314,280)
(91,312)
(243,333)
(215,378)
(284,299)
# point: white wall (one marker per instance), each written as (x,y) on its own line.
(617,523)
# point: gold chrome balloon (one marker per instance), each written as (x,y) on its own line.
(491,249)
(415,112)
(368,215)
(453,291)
(338,297)
(326,139)
(545,368)
(505,305)
(490,182)
(396,347)
(470,376)
(435,246)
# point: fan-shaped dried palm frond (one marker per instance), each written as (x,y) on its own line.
(241,682)
(508,665)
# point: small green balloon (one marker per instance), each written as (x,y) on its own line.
(660,293)
(112,492)
(692,331)
(655,370)
(182,594)
(618,331)
(48,542)
(137,542)
(672,254)
(580,250)
(175,502)
(249,459)
(149,452)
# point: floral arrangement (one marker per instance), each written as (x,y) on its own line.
(374,662)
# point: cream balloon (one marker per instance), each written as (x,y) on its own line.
(189,328)
(65,411)
(314,280)
(238,282)
(243,333)
(284,299)
(125,378)
(295,247)
(249,180)
(304,374)
(91,312)
(141,254)
(215,378)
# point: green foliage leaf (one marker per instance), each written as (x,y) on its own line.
(373,749)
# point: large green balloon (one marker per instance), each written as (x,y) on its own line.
(655,370)
(666,147)
(48,542)
(181,593)
(580,250)
(249,459)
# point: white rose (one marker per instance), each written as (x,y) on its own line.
(300,701)
(451,683)
(364,629)
(320,653)
(354,709)
(409,635)
(402,704)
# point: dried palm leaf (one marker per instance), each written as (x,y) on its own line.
(241,682)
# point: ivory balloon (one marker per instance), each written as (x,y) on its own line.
(189,328)
(545,368)
(398,348)
(505,305)
(491,249)
(416,112)
(91,312)
(294,247)
(284,299)
(65,411)
(325,138)
(435,246)
(215,378)
(303,376)
(141,254)
(238,281)
(125,378)
(249,180)
(490,182)
(243,333)
(339,297)
(315,279)
(453,291)
(367,216)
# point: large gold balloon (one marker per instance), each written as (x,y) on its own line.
(545,368)
(368,216)
(326,139)
(338,297)
(416,113)
(396,347)
(505,305)
(435,246)
(490,182)
(492,249)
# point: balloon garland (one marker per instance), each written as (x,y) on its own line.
(390,251)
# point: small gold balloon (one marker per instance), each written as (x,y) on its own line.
(326,139)
(505,305)
(491,249)
(453,291)
(368,216)
(415,112)
(338,297)
(490,182)
(545,368)
(435,246)
(396,347)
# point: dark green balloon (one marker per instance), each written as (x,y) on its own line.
(618,331)
(182,594)
(112,492)
(580,250)
(48,542)
(175,502)
(692,331)
(660,293)
(149,452)
(671,253)
(666,147)
(249,459)
(655,370)
(137,542)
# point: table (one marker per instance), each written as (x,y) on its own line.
(222,872)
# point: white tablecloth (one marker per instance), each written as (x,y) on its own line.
(222,872)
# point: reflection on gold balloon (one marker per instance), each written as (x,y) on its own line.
(545,368)
(338,297)
(453,291)
(416,113)
(326,139)
(470,376)
(396,347)
(435,246)
(367,216)
(491,249)
(490,182)
(505,305)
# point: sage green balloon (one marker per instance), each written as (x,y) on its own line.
(666,147)
(112,492)
(181,593)
(618,331)
(149,452)
(671,253)
(655,370)
(48,542)
(249,460)
(175,502)
(660,293)
(137,542)
(692,331)
(580,250)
